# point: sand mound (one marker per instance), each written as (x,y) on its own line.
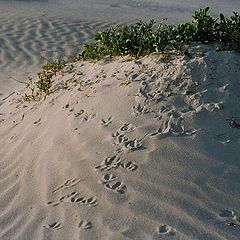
(122,149)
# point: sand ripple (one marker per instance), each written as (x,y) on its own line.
(27,43)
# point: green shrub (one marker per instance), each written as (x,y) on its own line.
(144,38)
(49,70)
(204,26)
(44,83)
(229,31)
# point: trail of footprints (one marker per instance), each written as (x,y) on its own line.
(173,125)
(72,197)
(122,142)
(110,180)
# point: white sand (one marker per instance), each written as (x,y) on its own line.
(156,129)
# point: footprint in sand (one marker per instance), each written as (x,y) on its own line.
(91,201)
(229,217)
(130,166)
(67,184)
(127,145)
(37,122)
(85,225)
(120,139)
(133,144)
(56,226)
(80,113)
(106,122)
(117,187)
(127,127)
(140,109)
(109,163)
(88,116)
(62,199)
(108,177)
(165,230)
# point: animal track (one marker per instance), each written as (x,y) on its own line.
(108,177)
(117,187)
(120,139)
(84,116)
(130,166)
(114,162)
(91,201)
(140,109)
(165,230)
(68,69)
(56,225)
(130,145)
(105,123)
(62,199)
(109,163)
(38,121)
(78,114)
(108,182)
(67,184)
(85,225)
(229,218)
(127,127)
(126,143)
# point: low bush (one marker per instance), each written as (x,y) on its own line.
(144,38)
(44,82)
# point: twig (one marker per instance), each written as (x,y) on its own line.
(8,96)
(14,79)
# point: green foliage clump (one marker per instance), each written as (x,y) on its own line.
(229,31)
(144,38)
(49,70)
(204,26)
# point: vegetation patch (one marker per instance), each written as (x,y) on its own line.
(49,70)
(144,38)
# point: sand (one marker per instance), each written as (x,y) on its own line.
(33,32)
(126,149)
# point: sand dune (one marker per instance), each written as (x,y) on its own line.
(124,149)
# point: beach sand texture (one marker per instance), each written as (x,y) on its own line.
(33,32)
(126,149)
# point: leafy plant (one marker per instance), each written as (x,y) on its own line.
(204,26)
(49,70)
(229,31)
(44,83)
(144,38)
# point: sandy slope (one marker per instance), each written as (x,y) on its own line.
(137,149)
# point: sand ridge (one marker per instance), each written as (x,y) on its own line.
(125,149)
